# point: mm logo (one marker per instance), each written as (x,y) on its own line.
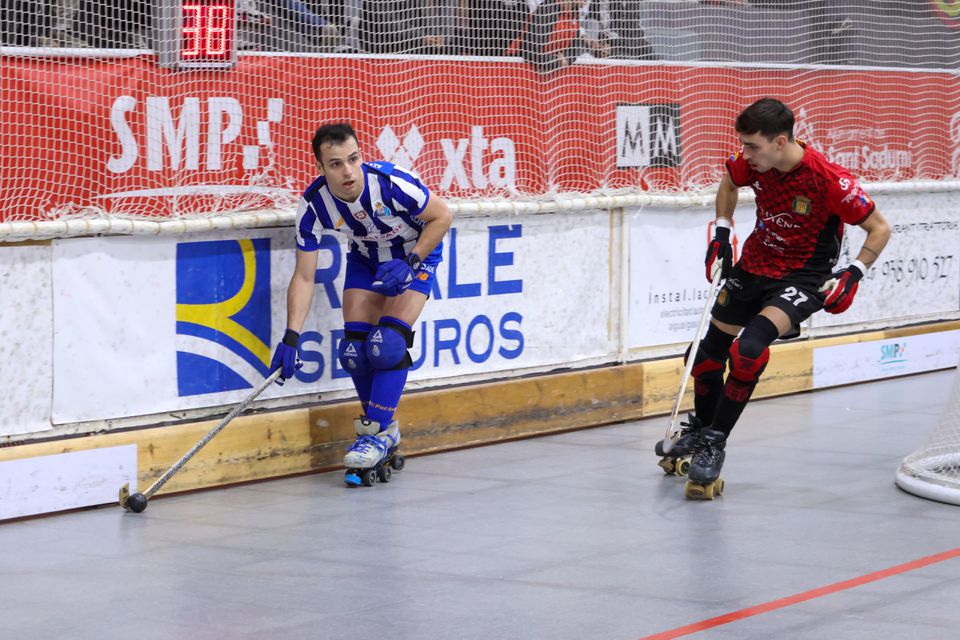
(223,315)
(893,353)
(648,135)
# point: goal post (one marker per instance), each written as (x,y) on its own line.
(933,470)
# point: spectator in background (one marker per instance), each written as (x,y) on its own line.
(253,26)
(300,26)
(492,26)
(438,27)
(617,23)
(552,39)
(63,30)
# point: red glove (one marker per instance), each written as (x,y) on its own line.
(841,289)
(719,249)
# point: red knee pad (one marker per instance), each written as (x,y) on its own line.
(703,363)
(744,368)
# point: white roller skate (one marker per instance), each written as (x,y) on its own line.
(374,454)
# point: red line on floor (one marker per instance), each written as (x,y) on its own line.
(803,597)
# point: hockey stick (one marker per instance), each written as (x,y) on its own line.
(672,429)
(137,502)
(828,286)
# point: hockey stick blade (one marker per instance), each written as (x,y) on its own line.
(237,410)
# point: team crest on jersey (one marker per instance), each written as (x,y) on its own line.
(382,210)
(801,205)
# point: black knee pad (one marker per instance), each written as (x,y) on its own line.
(711,354)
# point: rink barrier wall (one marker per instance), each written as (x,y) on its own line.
(312,439)
(142,312)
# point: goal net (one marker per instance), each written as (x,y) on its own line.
(933,470)
(184,108)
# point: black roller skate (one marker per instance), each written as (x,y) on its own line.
(677,461)
(704,481)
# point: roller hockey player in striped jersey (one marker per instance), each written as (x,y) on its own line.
(394,228)
(783,276)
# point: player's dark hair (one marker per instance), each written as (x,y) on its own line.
(767,116)
(335,132)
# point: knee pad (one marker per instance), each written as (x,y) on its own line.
(751,351)
(352,353)
(711,353)
(704,363)
(748,359)
(387,345)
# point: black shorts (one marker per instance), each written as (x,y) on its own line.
(744,295)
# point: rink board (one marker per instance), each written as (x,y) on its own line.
(273,444)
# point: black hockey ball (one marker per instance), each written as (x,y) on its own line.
(137,502)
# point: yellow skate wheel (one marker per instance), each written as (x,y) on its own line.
(694,491)
(668,466)
(683,466)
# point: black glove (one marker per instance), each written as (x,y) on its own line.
(719,249)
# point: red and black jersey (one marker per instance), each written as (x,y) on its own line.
(800,215)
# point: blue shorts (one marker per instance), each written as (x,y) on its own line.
(361,272)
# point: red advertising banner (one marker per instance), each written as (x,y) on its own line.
(125,137)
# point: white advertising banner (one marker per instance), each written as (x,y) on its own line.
(26,336)
(668,284)
(918,273)
(848,363)
(65,480)
(158,325)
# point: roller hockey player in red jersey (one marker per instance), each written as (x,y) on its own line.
(783,275)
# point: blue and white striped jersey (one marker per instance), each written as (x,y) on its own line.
(381,225)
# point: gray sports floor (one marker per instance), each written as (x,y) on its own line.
(574,536)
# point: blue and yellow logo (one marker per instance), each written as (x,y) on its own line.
(223,315)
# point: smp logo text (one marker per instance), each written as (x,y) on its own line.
(223,315)
(893,353)
(192,135)
(648,135)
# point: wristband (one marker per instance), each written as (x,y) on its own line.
(291,338)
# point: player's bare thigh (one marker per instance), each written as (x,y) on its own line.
(777,316)
(360,305)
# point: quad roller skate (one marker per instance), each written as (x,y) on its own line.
(373,456)
(704,481)
(678,460)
